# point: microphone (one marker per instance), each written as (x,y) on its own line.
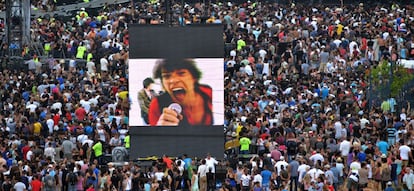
(176,107)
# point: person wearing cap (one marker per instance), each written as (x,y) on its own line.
(389,187)
(279,164)
(317,157)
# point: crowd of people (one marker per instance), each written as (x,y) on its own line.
(295,96)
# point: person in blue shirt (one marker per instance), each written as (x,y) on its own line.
(187,161)
(389,187)
(266,176)
(361,156)
(383,147)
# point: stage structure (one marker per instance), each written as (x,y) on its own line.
(17,26)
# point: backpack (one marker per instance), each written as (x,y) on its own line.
(72,178)
(292,147)
(386,174)
(25,181)
(314,56)
(50,181)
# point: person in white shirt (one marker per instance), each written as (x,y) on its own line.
(50,123)
(50,151)
(314,173)
(248,70)
(257,177)
(202,173)
(345,147)
(302,169)
(211,163)
(159,174)
(104,64)
(19,186)
(245,180)
(408,179)
(405,154)
(355,165)
(317,157)
(32,106)
(338,129)
(279,164)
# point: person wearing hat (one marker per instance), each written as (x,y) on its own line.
(389,187)
(317,156)
(279,164)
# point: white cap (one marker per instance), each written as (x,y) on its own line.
(282,158)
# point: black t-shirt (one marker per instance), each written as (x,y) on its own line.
(115,180)
(370,151)
(177,182)
(135,183)
(357,131)
(7,186)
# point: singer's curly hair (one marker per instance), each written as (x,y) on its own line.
(172,64)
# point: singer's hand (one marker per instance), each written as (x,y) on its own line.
(169,117)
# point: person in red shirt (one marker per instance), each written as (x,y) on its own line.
(90,188)
(167,161)
(25,149)
(80,113)
(36,184)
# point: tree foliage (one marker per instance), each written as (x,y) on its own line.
(382,77)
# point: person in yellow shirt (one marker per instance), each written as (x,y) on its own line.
(339,29)
(98,150)
(37,127)
(123,94)
(240,44)
(80,53)
(127,142)
(89,57)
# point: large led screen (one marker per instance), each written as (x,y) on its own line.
(176,89)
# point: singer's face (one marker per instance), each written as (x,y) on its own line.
(178,83)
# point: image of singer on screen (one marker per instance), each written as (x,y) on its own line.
(184,101)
